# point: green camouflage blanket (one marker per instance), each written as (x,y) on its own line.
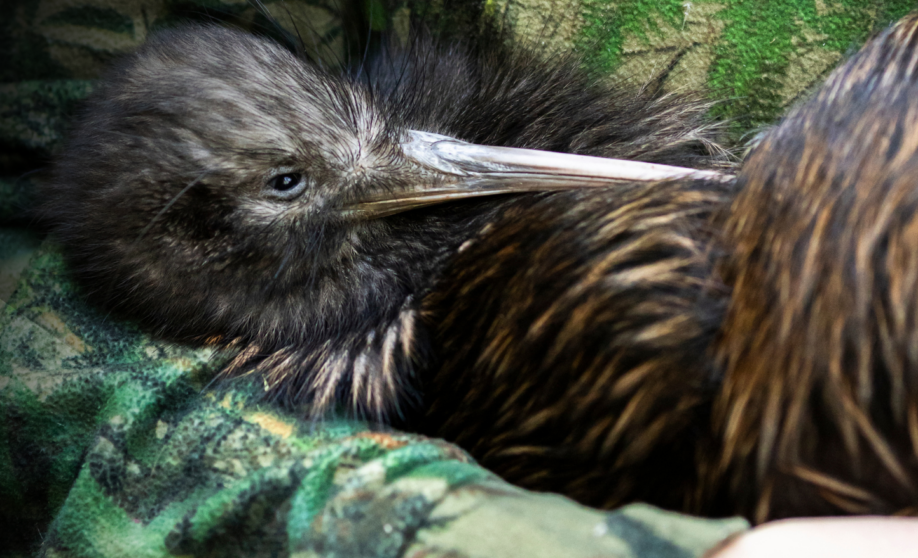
(116,444)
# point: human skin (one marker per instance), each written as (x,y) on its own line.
(848,537)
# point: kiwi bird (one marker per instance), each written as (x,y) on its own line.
(219,189)
(716,348)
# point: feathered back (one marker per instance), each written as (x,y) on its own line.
(820,344)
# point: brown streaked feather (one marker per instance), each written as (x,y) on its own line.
(587,373)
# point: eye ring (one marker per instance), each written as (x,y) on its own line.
(286,185)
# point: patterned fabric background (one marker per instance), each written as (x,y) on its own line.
(114,444)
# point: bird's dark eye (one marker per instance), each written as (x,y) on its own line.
(287,185)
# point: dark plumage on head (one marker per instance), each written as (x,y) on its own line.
(219,189)
(202,195)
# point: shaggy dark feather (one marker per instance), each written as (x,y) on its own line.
(572,342)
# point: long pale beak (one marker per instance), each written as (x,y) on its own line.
(460,170)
